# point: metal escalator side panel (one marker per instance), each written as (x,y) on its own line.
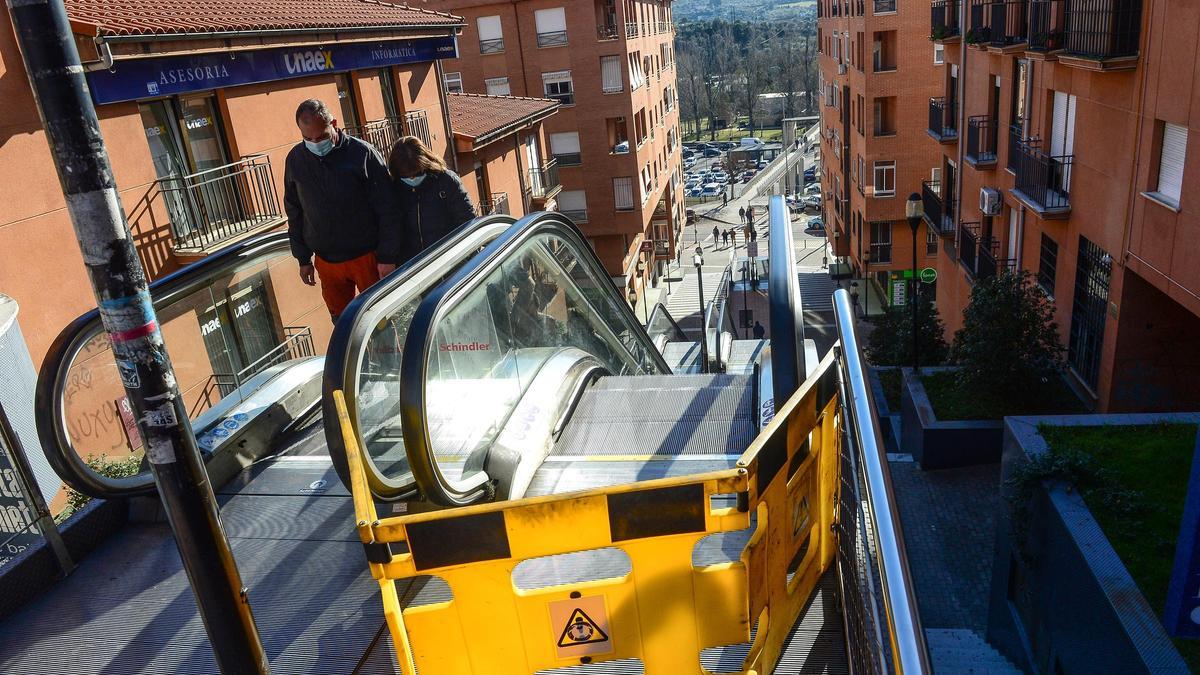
(63,376)
(787,324)
(362,359)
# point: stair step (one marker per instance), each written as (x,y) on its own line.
(965,651)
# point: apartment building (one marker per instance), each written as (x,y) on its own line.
(877,75)
(614,143)
(1074,165)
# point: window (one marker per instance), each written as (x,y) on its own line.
(559,87)
(881,242)
(453,82)
(573,204)
(939,53)
(1047,265)
(565,147)
(497,86)
(885,116)
(623,193)
(491,37)
(884,51)
(931,240)
(551,27)
(636,76)
(1170,163)
(885,178)
(1088,312)
(610,69)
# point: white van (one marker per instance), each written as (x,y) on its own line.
(751,142)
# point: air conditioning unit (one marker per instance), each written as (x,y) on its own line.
(989,201)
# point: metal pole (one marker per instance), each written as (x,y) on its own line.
(703,327)
(27,483)
(913,297)
(119,284)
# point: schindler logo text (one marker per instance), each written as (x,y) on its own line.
(464,347)
(314,61)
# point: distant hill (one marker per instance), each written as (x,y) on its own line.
(746,10)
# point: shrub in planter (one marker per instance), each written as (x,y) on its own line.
(890,343)
(1008,345)
(109,468)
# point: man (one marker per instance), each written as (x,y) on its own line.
(341,207)
(759,331)
(716,235)
(742,213)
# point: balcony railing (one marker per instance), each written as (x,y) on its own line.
(568,158)
(981,140)
(943,20)
(1015,139)
(882,6)
(939,213)
(576,215)
(968,247)
(498,203)
(1044,180)
(607,32)
(211,207)
(382,133)
(556,38)
(942,124)
(297,344)
(495,46)
(1090,29)
(543,181)
(416,123)
(631,30)
(998,23)
(989,264)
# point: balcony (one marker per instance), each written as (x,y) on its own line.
(210,208)
(943,20)
(498,203)
(981,141)
(495,46)
(942,124)
(939,213)
(543,183)
(998,23)
(1015,140)
(568,158)
(604,33)
(988,263)
(381,133)
(631,30)
(1043,181)
(968,247)
(1094,34)
(556,38)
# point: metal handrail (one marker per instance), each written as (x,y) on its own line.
(715,318)
(663,327)
(788,367)
(906,636)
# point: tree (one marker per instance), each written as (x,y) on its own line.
(890,343)
(1008,345)
(690,79)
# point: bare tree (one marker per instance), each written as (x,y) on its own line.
(690,78)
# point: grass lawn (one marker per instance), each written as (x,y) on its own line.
(950,401)
(892,381)
(732,133)
(1153,462)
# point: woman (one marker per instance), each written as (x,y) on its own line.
(431,197)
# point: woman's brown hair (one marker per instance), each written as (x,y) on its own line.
(410,157)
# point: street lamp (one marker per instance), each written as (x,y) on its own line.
(913,210)
(698,261)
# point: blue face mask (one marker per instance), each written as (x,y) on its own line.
(319,148)
(414,181)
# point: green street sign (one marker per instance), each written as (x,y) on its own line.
(927,275)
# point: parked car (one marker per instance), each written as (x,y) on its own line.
(712,152)
(813,189)
(693,191)
(812,202)
(711,190)
(815,225)
(747,175)
(762,164)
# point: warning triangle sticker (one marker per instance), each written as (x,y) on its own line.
(581,630)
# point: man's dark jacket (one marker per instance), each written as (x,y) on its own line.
(341,206)
(433,209)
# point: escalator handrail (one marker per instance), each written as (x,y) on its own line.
(351,333)
(52,379)
(420,337)
(660,314)
(905,633)
(787,316)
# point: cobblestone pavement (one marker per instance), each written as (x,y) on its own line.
(949,520)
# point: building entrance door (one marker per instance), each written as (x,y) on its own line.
(170,161)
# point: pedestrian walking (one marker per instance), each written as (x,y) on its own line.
(758,331)
(724,198)
(741,214)
(343,223)
(430,196)
(750,214)
(716,235)
(753,233)
(733,236)
(725,237)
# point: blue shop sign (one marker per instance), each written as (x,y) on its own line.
(131,80)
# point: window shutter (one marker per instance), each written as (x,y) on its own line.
(498,86)
(1170,166)
(610,67)
(623,192)
(572,200)
(489,28)
(565,143)
(550,20)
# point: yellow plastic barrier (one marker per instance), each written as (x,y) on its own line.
(663,611)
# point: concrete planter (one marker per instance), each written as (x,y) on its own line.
(1061,600)
(943,444)
(889,419)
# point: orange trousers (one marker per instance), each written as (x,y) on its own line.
(339,280)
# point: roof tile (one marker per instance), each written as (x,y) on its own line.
(165,17)
(475,115)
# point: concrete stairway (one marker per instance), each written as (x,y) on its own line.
(963,651)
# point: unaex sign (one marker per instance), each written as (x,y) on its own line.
(132,80)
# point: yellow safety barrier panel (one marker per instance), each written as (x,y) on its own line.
(663,611)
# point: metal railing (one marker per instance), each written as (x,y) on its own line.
(718,320)
(543,180)
(297,344)
(968,247)
(498,203)
(883,623)
(999,23)
(931,198)
(27,521)
(576,215)
(1047,20)
(943,19)
(381,133)
(493,46)
(663,328)
(631,30)
(942,122)
(607,32)
(981,139)
(210,207)
(1103,29)
(1015,140)
(568,158)
(556,38)
(1044,179)
(989,264)
(416,123)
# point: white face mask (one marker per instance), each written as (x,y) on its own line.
(414,181)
